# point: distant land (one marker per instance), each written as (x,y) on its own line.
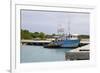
(26,34)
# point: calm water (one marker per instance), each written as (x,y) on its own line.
(40,54)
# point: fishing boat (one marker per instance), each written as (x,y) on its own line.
(64,40)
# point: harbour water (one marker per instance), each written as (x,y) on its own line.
(33,53)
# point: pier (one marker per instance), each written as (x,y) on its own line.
(35,42)
(43,42)
(80,53)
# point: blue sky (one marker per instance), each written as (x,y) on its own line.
(46,21)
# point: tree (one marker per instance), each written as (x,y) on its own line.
(53,34)
(41,35)
(25,34)
(83,36)
(36,34)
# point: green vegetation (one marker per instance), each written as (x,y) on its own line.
(25,34)
(53,34)
(83,37)
(42,35)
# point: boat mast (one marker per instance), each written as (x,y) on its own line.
(60,29)
(69,26)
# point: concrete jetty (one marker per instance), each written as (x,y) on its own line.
(35,42)
(41,42)
(82,49)
(38,41)
(80,53)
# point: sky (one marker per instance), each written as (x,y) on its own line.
(49,21)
